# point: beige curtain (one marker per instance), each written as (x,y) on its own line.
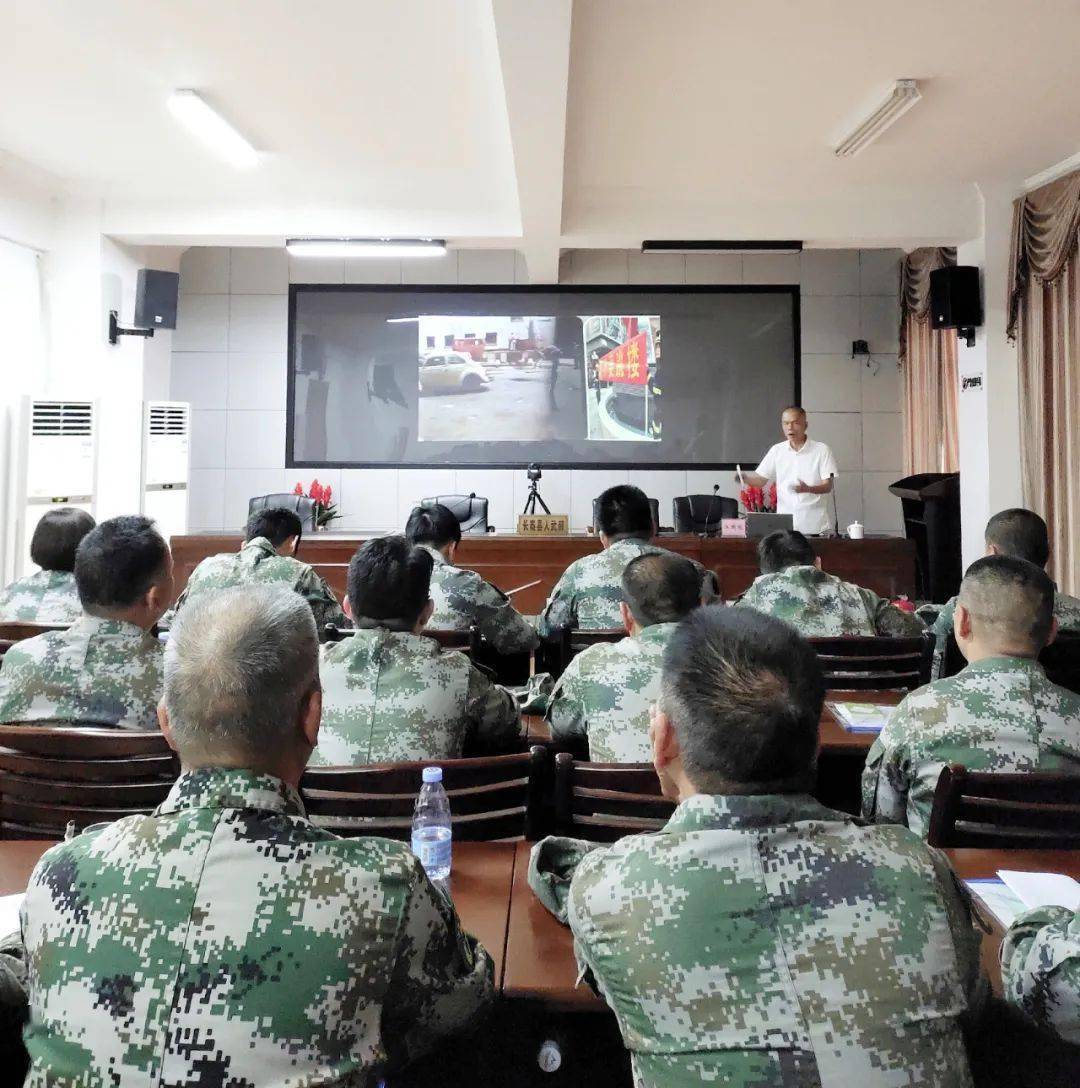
(1044,318)
(928,367)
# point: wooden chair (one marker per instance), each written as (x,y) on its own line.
(53,775)
(1005,811)
(492,798)
(1061,660)
(867,663)
(11,633)
(602,802)
(562,646)
(464,641)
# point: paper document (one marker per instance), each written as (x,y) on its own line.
(9,912)
(861,717)
(1003,904)
(1042,889)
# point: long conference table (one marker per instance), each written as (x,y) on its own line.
(885,564)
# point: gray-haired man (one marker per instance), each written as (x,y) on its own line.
(232,939)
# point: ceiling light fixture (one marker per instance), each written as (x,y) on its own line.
(365,247)
(904,95)
(205,123)
(663,245)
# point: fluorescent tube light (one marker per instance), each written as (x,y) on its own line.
(904,95)
(663,245)
(205,123)
(365,247)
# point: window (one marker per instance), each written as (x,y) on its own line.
(491,338)
(448,341)
(431,341)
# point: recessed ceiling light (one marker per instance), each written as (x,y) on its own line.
(904,95)
(365,247)
(204,122)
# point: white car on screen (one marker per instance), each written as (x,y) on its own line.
(451,372)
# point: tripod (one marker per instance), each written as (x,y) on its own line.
(534,499)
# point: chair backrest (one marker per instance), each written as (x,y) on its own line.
(866,663)
(301,505)
(559,648)
(16,632)
(50,776)
(603,802)
(1005,811)
(463,641)
(1061,659)
(491,797)
(470,510)
(654,506)
(702,513)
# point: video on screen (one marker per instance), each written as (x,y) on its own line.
(622,399)
(524,379)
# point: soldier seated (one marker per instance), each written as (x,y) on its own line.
(268,555)
(49,596)
(999,714)
(588,595)
(390,693)
(759,937)
(105,669)
(461,597)
(224,939)
(605,693)
(1021,534)
(793,587)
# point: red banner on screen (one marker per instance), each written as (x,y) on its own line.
(628,363)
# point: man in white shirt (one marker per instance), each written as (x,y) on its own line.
(803,470)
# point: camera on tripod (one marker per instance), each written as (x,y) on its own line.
(533,500)
(533,472)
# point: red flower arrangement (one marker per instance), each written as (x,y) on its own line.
(759,500)
(323,497)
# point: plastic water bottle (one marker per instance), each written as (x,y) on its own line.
(431,826)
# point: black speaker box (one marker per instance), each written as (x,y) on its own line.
(155,299)
(955,298)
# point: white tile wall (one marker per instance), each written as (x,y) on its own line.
(229,361)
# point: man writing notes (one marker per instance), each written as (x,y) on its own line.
(803,470)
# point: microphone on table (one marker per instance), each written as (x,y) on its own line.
(835,515)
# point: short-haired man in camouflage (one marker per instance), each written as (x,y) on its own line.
(793,587)
(1021,534)
(268,555)
(105,669)
(391,693)
(461,597)
(224,939)
(588,594)
(606,691)
(760,938)
(49,596)
(1040,968)
(999,714)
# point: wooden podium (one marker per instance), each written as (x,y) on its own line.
(884,564)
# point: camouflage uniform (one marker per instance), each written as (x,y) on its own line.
(820,605)
(1066,612)
(258,563)
(769,941)
(462,598)
(96,673)
(391,695)
(588,595)
(224,939)
(49,596)
(1040,968)
(1000,714)
(605,694)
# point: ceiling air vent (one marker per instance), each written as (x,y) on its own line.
(62,417)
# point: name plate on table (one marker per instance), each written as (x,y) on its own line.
(543,524)
(733,527)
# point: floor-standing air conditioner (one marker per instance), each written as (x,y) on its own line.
(56,458)
(166,454)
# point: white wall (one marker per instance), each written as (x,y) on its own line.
(229,360)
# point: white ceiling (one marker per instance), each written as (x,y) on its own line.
(541,124)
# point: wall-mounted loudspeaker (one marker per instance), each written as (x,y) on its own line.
(956,300)
(155,299)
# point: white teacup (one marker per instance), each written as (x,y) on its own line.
(855,531)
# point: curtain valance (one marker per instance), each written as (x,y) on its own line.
(915,285)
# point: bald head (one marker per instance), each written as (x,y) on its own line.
(1010,605)
(239,668)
